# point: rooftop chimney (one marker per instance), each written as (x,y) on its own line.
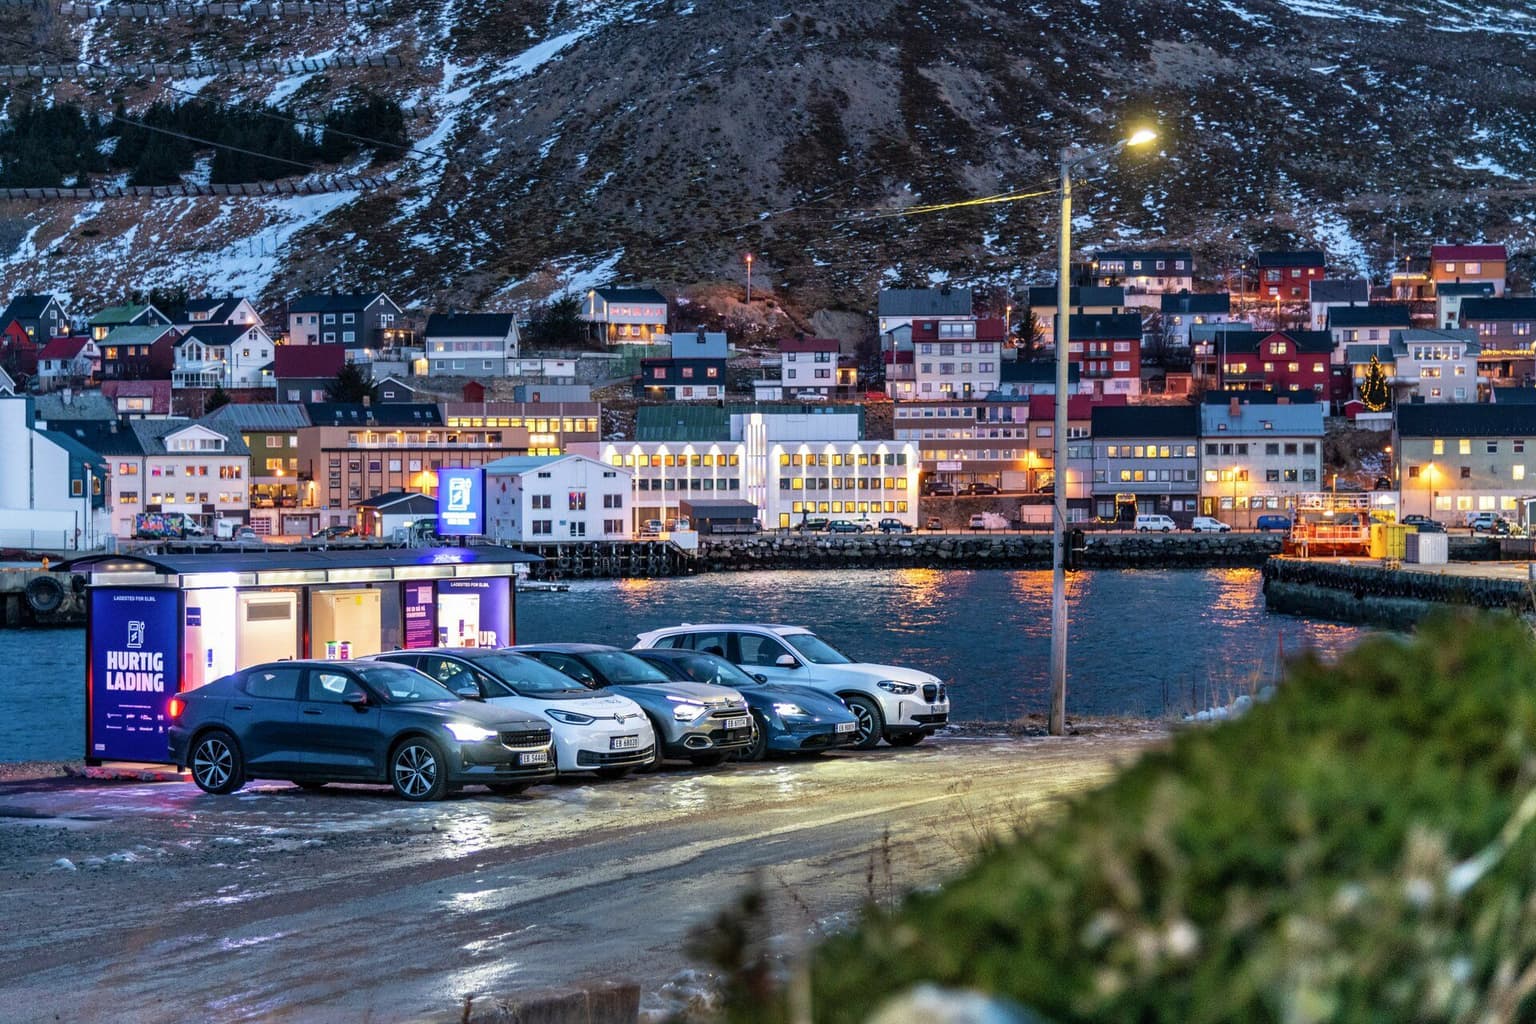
(1234,408)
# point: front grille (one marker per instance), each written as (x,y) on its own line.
(931,719)
(528,738)
(730,713)
(730,737)
(933,693)
(600,759)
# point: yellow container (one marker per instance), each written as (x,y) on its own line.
(1388,539)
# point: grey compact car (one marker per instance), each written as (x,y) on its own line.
(313,722)
(695,722)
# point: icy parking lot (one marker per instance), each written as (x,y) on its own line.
(154,901)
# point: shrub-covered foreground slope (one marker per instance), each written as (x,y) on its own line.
(1363,848)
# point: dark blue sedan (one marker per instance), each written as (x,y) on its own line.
(790,719)
(313,722)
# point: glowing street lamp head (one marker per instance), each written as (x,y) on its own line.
(1141,137)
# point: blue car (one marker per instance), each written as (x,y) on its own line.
(1273,522)
(790,719)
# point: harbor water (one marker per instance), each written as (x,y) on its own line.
(1147,644)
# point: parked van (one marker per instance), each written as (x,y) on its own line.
(1272,522)
(1151,523)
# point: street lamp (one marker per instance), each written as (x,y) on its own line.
(1069,159)
(749,279)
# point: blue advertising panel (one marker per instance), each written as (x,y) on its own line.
(460,502)
(474,613)
(134,661)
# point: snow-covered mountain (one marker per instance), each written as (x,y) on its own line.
(562,143)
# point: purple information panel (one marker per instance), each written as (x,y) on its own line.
(420,624)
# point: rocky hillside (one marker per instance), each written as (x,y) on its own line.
(559,144)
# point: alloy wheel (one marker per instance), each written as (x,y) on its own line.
(865,719)
(212,763)
(416,770)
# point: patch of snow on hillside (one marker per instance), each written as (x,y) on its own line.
(1483,162)
(536,56)
(578,279)
(1337,12)
(1340,243)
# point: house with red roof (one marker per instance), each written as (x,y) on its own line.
(18,349)
(70,359)
(303,371)
(1469,264)
(138,399)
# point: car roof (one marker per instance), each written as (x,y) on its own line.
(688,627)
(566,648)
(313,663)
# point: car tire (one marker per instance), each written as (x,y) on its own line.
(757,750)
(310,784)
(417,770)
(906,739)
(1166,529)
(507,788)
(616,772)
(216,762)
(1143,529)
(871,722)
(658,754)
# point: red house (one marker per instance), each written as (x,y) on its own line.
(1288,276)
(1275,360)
(1107,351)
(17,349)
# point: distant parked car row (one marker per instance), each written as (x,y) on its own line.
(430,721)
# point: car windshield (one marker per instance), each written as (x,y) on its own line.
(711,668)
(816,650)
(623,667)
(516,675)
(401,685)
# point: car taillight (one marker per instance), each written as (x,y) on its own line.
(176,707)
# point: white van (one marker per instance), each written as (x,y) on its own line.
(1150,523)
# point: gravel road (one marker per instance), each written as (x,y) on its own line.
(152,901)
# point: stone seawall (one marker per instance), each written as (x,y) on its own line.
(982,551)
(1376,596)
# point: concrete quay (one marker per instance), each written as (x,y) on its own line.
(1366,591)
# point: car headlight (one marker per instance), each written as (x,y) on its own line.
(892,686)
(789,710)
(686,711)
(468,732)
(569,717)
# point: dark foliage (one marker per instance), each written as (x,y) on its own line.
(364,121)
(350,385)
(45,147)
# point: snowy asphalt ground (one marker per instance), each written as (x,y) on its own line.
(154,901)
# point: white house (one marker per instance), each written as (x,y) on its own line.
(1334,291)
(1436,366)
(73,358)
(636,316)
(790,465)
(188,467)
(1185,311)
(471,344)
(228,310)
(1145,273)
(556,497)
(224,355)
(51,487)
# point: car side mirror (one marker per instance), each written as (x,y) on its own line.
(469,691)
(759,677)
(786,661)
(357,698)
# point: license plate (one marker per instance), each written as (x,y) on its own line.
(847,726)
(535,757)
(624,743)
(738,723)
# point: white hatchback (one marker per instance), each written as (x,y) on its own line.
(593,732)
(902,705)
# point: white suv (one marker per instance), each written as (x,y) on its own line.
(901,704)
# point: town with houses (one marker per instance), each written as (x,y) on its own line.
(1192,394)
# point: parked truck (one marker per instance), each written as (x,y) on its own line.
(166,526)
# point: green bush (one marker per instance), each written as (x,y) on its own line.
(1359,849)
